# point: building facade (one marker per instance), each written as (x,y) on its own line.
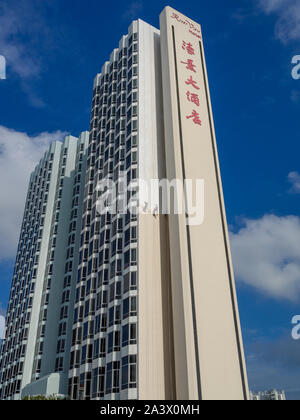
(36,345)
(120,332)
(148,305)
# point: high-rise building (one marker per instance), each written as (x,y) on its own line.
(142,304)
(36,345)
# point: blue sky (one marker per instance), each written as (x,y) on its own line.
(54,48)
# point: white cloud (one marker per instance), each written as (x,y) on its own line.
(29,43)
(2,326)
(19,154)
(266,255)
(272,5)
(274,363)
(133,9)
(294,179)
(13,23)
(2,310)
(287,27)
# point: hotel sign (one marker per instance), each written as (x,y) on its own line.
(193,28)
(203,289)
(190,105)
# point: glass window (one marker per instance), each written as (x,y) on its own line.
(125,334)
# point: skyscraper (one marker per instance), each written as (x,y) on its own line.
(36,347)
(142,304)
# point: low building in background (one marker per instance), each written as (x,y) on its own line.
(272,395)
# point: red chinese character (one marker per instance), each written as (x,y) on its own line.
(193,97)
(190,65)
(195,117)
(192,82)
(188,47)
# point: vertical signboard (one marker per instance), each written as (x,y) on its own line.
(209,357)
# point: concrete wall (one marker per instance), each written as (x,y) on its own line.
(47,386)
(155,347)
(208,346)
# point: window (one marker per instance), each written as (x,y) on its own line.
(60,346)
(133,306)
(112,378)
(117,341)
(38,366)
(101,379)
(110,342)
(102,347)
(126,282)
(126,308)
(41,346)
(133,282)
(118,290)
(126,259)
(129,372)
(83,355)
(133,256)
(59,364)
(111,316)
(125,335)
(133,332)
(109,379)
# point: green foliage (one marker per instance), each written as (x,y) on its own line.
(43,398)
